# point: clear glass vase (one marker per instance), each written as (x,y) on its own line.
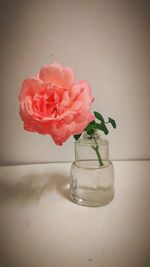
(92,173)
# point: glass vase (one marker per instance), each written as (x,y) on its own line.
(92,173)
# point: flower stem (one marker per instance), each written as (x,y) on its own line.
(96,148)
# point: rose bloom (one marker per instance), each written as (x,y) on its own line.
(52,103)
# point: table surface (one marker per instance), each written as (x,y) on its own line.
(41,227)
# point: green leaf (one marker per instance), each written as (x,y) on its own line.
(77,136)
(99,117)
(90,128)
(112,122)
(102,127)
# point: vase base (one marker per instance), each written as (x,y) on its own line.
(90,203)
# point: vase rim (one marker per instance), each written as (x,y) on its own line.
(102,141)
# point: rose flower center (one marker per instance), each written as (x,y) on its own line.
(46,103)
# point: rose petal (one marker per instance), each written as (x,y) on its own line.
(84,85)
(52,73)
(58,75)
(59,133)
(77,128)
(69,78)
(75,91)
(80,117)
(29,87)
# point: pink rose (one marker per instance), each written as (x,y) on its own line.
(52,103)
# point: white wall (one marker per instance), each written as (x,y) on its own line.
(106,42)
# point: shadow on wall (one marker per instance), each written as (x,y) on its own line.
(31,188)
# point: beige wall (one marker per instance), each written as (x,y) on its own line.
(107,43)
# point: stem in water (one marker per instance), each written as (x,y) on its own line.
(96,148)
